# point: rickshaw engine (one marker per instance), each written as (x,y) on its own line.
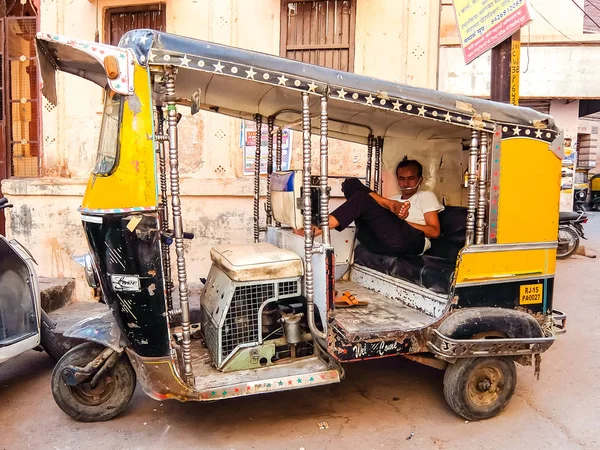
(238,319)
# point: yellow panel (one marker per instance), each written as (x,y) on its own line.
(529,192)
(133,183)
(506,264)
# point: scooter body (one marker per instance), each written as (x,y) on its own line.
(20,301)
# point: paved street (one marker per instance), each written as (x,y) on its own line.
(384,404)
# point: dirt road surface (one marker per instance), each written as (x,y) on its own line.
(386,404)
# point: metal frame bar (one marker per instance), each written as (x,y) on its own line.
(271,138)
(378,155)
(258,119)
(278,156)
(171,101)
(307,213)
(323,181)
(164,206)
(482,203)
(494,165)
(369,160)
(472,201)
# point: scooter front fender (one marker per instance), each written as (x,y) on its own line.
(102,329)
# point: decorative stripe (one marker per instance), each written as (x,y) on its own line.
(271,385)
(117,210)
(510,247)
(515,131)
(508,279)
(495,167)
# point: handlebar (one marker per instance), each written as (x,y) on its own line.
(4,203)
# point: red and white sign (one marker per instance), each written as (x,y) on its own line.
(483,24)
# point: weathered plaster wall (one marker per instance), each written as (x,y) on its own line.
(395,40)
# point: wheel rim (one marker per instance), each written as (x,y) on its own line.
(566,241)
(87,395)
(485,386)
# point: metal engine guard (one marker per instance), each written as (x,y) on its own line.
(102,329)
(450,349)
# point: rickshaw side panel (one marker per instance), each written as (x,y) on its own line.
(127,255)
(529,191)
(132,183)
(511,295)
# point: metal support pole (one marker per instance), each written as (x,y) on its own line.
(378,152)
(323,181)
(306,213)
(278,154)
(258,119)
(482,204)
(269,170)
(369,160)
(472,201)
(178,222)
(164,207)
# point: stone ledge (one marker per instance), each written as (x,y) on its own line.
(56,292)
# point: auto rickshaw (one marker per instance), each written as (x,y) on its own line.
(580,189)
(595,192)
(478,302)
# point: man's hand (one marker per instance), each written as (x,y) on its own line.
(399,208)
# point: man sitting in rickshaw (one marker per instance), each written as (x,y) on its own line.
(399,225)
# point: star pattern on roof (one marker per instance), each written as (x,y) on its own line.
(345,93)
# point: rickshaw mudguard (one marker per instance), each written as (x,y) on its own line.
(101,329)
(463,334)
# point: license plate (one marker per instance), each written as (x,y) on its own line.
(530,294)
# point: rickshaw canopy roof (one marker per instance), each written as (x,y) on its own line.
(242,83)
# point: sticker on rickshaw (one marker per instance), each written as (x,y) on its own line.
(531,293)
(125,283)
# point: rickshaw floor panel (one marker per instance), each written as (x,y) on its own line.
(382,313)
(207,377)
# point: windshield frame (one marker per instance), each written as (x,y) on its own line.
(101,169)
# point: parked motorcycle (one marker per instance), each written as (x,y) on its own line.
(23,323)
(570,230)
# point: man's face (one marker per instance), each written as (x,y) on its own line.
(408,180)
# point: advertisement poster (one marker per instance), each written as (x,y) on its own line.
(248,138)
(483,24)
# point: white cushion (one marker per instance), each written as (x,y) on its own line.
(254,262)
(285,192)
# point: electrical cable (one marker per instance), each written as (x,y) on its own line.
(585,14)
(549,23)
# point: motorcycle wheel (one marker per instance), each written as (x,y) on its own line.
(568,242)
(103,402)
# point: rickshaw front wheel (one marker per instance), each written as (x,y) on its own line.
(479,388)
(108,398)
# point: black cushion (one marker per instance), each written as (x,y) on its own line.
(435,269)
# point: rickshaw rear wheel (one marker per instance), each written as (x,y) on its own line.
(479,388)
(84,403)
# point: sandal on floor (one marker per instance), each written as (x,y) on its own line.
(347,300)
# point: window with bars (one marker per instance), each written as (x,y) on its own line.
(319,32)
(118,21)
(20,89)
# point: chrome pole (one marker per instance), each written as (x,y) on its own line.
(269,170)
(369,160)
(306,213)
(258,119)
(178,222)
(164,207)
(278,155)
(482,204)
(323,180)
(378,152)
(472,183)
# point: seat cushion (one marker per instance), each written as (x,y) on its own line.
(254,262)
(427,271)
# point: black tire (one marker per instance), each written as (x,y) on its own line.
(596,207)
(111,395)
(568,244)
(49,342)
(479,388)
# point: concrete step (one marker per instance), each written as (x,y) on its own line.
(69,315)
(56,292)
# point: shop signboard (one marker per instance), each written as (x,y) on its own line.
(248,143)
